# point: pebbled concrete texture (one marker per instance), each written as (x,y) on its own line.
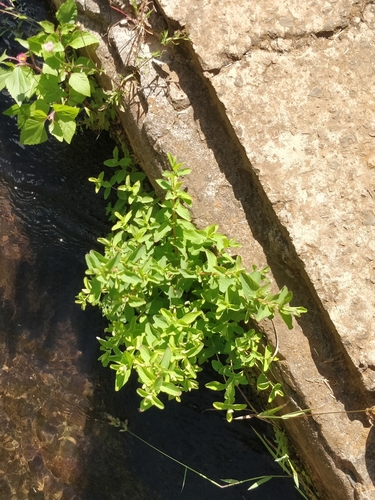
(271,104)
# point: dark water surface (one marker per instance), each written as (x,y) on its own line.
(55,440)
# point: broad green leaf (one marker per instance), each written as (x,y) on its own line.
(23,43)
(63,130)
(68,128)
(55,130)
(80,83)
(47,26)
(49,89)
(65,113)
(67,13)
(185,197)
(4,56)
(48,69)
(12,111)
(19,83)
(247,286)
(33,132)
(3,77)
(81,39)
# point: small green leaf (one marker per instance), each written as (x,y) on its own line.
(135,301)
(23,43)
(183,212)
(276,391)
(264,312)
(215,386)
(145,376)
(262,382)
(122,376)
(287,318)
(229,481)
(170,389)
(156,402)
(261,481)
(167,356)
(190,317)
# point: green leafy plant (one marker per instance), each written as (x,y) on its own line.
(174,297)
(49,82)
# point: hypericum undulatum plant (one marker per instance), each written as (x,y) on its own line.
(174,297)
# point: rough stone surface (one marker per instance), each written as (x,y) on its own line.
(271,105)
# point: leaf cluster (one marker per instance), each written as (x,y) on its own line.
(49,83)
(174,297)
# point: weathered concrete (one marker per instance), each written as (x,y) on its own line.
(271,106)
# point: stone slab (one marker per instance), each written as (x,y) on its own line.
(304,110)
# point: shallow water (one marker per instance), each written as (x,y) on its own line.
(55,439)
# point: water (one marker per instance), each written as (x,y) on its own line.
(55,439)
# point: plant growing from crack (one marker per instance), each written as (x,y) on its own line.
(175,298)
